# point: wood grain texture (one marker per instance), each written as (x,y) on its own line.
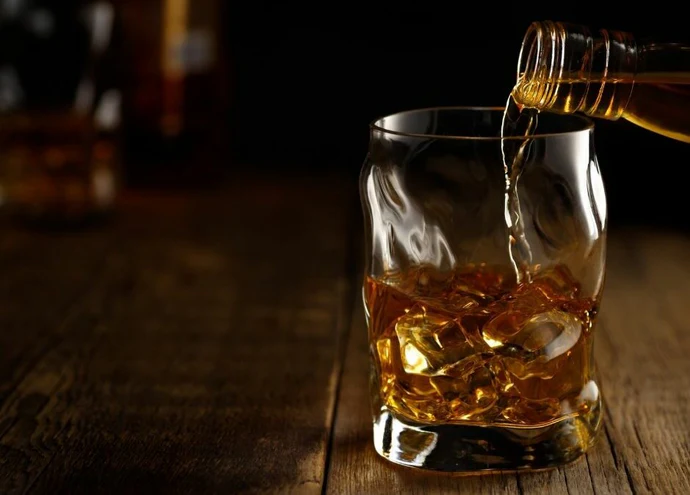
(642,353)
(196,346)
(191,347)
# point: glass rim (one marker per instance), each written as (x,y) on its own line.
(587,124)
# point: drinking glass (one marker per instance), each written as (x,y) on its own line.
(59,109)
(475,365)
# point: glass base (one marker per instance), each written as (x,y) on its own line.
(471,448)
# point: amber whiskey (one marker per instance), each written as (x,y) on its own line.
(476,347)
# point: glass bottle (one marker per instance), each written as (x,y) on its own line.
(567,68)
(176,91)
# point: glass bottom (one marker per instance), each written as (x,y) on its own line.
(471,448)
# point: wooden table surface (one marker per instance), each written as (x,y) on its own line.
(216,344)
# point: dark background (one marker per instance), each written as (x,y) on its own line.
(294,87)
(306,82)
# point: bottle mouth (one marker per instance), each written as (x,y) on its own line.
(567,68)
(531,45)
(541,62)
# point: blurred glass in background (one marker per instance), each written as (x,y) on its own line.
(96,95)
(60,109)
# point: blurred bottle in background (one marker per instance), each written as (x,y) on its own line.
(176,91)
(60,109)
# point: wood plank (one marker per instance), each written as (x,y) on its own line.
(33,305)
(641,351)
(646,372)
(204,357)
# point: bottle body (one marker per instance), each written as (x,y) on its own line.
(176,91)
(567,68)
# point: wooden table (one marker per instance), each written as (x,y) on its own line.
(215,343)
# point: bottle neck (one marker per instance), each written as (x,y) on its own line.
(566,68)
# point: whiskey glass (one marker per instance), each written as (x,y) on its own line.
(60,110)
(477,366)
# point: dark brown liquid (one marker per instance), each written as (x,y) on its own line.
(475,346)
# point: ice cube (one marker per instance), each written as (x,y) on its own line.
(469,387)
(386,360)
(548,335)
(430,342)
(459,303)
(512,313)
(454,305)
(532,351)
(546,358)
